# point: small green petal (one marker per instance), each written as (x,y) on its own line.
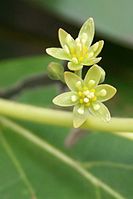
(94,73)
(79,119)
(88,29)
(102,113)
(104,92)
(71,80)
(97,47)
(74,67)
(58,53)
(65,38)
(64,99)
(62,36)
(91,61)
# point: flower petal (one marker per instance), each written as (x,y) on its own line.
(74,67)
(73,81)
(62,36)
(94,73)
(79,119)
(88,30)
(58,53)
(96,48)
(65,38)
(104,92)
(102,112)
(91,61)
(64,99)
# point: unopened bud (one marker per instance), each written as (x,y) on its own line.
(56,71)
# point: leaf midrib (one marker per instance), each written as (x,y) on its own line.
(61,156)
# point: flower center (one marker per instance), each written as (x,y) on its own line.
(86,96)
(78,50)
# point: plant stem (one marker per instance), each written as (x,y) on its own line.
(61,118)
(61,156)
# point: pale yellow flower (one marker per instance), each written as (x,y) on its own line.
(86,96)
(78,52)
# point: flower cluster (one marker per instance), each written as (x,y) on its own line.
(86,95)
(78,52)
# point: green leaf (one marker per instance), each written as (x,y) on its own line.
(45,171)
(21,67)
(106,21)
(107,156)
(28,190)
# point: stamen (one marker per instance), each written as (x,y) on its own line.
(91,82)
(81,101)
(94,99)
(88,104)
(74,98)
(78,84)
(96,107)
(86,92)
(85,88)
(90,95)
(103,93)
(92,90)
(86,100)
(81,110)
(75,60)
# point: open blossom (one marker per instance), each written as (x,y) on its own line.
(78,52)
(86,96)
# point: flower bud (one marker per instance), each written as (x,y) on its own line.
(55,71)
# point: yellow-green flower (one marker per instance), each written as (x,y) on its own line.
(86,96)
(78,52)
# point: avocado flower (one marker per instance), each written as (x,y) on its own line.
(86,96)
(78,52)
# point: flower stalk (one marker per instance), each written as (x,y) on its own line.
(61,118)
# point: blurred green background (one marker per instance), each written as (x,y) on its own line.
(27,28)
